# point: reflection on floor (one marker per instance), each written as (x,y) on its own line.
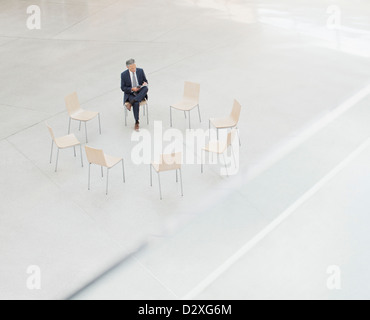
(288,68)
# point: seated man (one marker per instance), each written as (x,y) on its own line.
(135,86)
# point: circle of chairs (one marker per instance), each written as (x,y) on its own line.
(167,162)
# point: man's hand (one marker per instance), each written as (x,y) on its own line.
(145,84)
(135,89)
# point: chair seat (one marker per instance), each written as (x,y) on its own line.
(155,166)
(216,147)
(164,167)
(67,141)
(84,115)
(167,165)
(185,105)
(142,103)
(111,161)
(221,123)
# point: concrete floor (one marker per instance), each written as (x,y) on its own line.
(297,205)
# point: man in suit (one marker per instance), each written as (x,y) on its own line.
(135,86)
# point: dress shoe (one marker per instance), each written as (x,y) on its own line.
(137,126)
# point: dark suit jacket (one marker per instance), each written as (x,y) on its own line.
(126,84)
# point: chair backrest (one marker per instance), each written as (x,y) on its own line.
(95,156)
(231,137)
(235,113)
(72,103)
(191,91)
(51,131)
(171,161)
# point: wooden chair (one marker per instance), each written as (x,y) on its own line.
(65,142)
(168,162)
(189,102)
(77,113)
(229,122)
(219,147)
(95,156)
(145,106)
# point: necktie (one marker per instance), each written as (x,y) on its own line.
(134,81)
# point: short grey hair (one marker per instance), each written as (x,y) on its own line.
(130,62)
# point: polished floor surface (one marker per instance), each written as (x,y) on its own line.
(298,204)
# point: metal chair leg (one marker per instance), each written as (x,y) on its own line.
(123,170)
(177,177)
(225,165)
(151,176)
(189,121)
(182,189)
(56,165)
(88,183)
(185,114)
(232,149)
(107,180)
(200,117)
(86,131)
(237,131)
(80,126)
(82,162)
(201,161)
(160,187)
(99,123)
(52,147)
(69,126)
(125,116)
(102,172)
(147,114)
(171,117)
(74,150)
